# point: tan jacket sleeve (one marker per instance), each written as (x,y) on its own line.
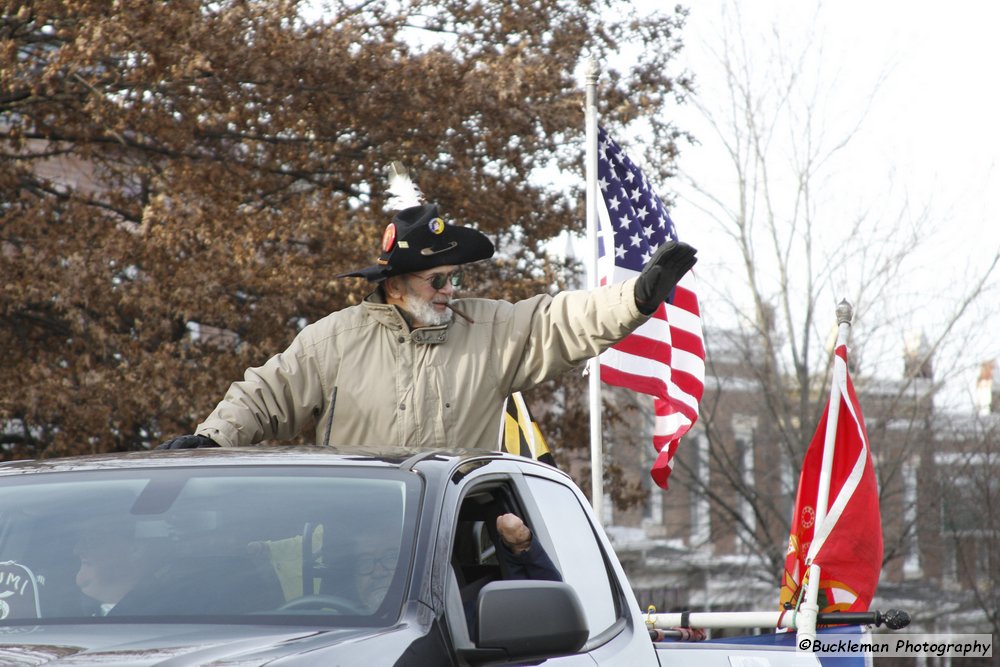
(273,401)
(548,335)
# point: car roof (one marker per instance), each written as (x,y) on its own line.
(429,462)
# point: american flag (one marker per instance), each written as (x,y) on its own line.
(665,357)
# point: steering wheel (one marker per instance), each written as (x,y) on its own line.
(337,603)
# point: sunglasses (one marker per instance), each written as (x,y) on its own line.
(439,280)
(367,563)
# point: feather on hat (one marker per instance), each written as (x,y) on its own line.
(403,192)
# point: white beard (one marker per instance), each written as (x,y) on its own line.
(423,311)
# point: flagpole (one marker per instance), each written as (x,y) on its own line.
(591,74)
(893,619)
(810,606)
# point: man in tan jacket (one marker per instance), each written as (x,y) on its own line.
(402,369)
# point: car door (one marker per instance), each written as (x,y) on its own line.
(474,543)
(563,521)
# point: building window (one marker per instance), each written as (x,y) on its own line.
(970,491)
(911,560)
(965,493)
(743,432)
(701,518)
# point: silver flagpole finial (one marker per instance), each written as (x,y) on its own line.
(591,71)
(845,312)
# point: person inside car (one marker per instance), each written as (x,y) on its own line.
(374,556)
(521,551)
(112,562)
(350,567)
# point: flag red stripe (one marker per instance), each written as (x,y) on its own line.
(639,383)
(687,340)
(684,383)
(686,299)
(641,346)
(689,384)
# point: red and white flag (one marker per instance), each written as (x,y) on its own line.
(665,357)
(847,546)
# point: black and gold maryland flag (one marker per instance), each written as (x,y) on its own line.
(520,434)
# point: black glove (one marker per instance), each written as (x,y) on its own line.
(188,442)
(661,274)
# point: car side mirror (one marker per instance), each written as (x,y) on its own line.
(529,620)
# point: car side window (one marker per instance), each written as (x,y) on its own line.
(474,556)
(577,551)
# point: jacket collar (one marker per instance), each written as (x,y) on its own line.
(389,316)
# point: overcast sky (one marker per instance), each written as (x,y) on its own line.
(931,130)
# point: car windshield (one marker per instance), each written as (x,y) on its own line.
(329,545)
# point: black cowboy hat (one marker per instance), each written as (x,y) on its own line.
(418,239)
